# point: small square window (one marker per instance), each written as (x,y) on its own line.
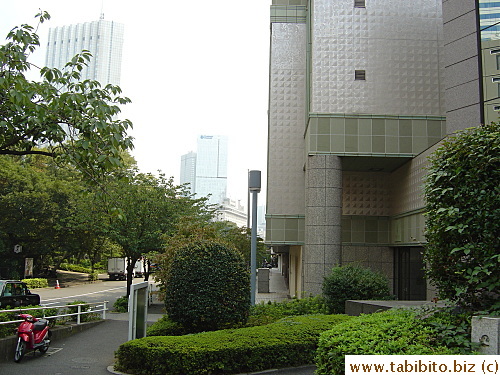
(359,4)
(495,79)
(360,75)
(494,51)
(496,108)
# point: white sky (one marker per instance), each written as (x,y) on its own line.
(190,68)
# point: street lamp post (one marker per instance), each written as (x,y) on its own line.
(254,188)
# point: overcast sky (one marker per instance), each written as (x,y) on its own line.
(190,68)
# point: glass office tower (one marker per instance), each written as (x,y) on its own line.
(211,168)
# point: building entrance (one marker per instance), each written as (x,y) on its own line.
(409,276)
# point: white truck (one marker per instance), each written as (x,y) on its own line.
(117,268)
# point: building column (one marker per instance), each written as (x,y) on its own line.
(322,248)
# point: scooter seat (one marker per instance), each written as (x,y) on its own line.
(40,324)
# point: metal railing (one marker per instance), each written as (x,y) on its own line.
(99,307)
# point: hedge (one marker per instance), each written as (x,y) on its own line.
(393,332)
(289,342)
(36,283)
(8,329)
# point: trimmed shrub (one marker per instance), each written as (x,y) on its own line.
(36,283)
(353,283)
(289,342)
(8,329)
(165,327)
(260,314)
(265,313)
(83,317)
(74,268)
(393,332)
(463,219)
(121,304)
(208,287)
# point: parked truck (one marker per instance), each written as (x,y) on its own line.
(117,268)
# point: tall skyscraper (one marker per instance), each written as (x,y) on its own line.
(211,168)
(188,171)
(206,170)
(104,40)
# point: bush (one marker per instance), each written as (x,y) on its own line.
(289,342)
(36,283)
(393,332)
(121,304)
(83,317)
(265,313)
(165,327)
(353,283)
(207,287)
(463,219)
(74,268)
(8,329)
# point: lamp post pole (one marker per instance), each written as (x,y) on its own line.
(254,188)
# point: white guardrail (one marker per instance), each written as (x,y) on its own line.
(90,308)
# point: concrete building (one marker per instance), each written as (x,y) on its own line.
(233,211)
(104,40)
(356,104)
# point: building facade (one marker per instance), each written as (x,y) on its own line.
(104,40)
(188,171)
(206,170)
(356,105)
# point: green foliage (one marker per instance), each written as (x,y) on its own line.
(121,304)
(208,287)
(260,314)
(462,193)
(265,313)
(34,113)
(192,229)
(74,268)
(452,326)
(394,332)
(148,208)
(353,283)
(9,329)
(289,342)
(165,327)
(36,283)
(83,317)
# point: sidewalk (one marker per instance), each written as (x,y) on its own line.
(278,290)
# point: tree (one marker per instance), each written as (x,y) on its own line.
(193,229)
(34,207)
(462,193)
(148,208)
(208,287)
(74,120)
(353,282)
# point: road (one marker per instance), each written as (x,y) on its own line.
(95,292)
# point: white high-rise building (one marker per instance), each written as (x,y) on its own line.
(104,40)
(188,171)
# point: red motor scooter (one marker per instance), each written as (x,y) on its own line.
(32,334)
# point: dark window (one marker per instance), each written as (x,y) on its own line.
(359,4)
(360,75)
